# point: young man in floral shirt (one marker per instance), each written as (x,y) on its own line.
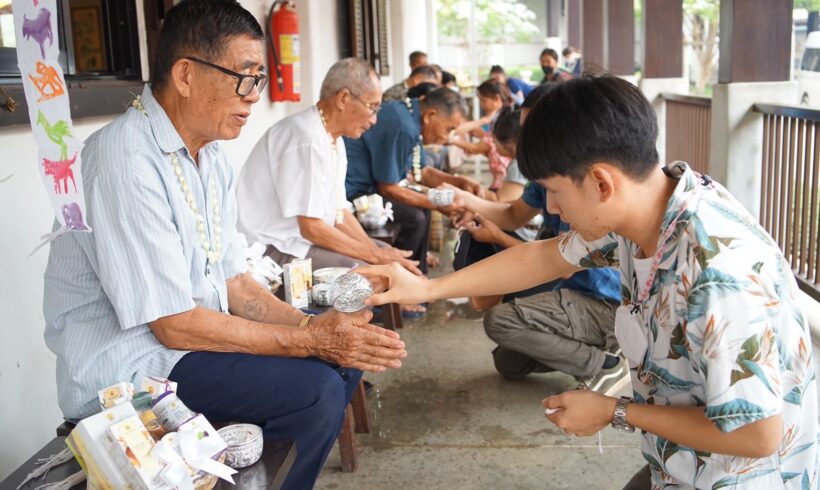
(723,377)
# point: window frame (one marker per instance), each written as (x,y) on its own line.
(93,94)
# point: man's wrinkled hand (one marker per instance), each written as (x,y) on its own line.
(389,255)
(347,339)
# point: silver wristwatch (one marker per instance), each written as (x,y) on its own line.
(619,419)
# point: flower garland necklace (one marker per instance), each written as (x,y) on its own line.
(334,156)
(213,254)
(416,149)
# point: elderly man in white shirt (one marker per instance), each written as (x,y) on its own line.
(291,191)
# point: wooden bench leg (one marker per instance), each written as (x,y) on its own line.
(347,443)
(359,405)
(392,316)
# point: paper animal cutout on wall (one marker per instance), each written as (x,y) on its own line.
(48,83)
(39,28)
(60,171)
(56,133)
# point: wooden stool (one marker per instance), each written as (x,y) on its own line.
(391,312)
(356,422)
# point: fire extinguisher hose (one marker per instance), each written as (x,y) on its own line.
(276,66)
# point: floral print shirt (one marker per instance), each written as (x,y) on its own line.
(724,331)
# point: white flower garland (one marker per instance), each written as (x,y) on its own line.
(213,254)
(337,182)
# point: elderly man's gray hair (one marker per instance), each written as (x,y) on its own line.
(354,74)
(446,101)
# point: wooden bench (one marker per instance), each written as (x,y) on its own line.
(269,472)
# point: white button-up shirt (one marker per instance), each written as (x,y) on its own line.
(292,171)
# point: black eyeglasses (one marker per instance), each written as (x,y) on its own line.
(244,84)
(373,108)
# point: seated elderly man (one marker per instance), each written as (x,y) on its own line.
(392,151)
(159,287)
(420,74)
(291,191)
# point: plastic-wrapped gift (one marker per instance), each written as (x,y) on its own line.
(349,291)
(90,444)
(156,386)
(114,395)
(133,448)
(193,456)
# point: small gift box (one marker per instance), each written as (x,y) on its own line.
(298,281)
(114,395)
(156,386)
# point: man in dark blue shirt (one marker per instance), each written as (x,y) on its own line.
(392,151)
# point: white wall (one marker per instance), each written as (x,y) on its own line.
(29,412)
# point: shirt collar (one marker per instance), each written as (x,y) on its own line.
(684,193)
(164,131)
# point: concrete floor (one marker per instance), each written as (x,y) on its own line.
(447,420)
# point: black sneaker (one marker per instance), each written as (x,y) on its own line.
(609,381)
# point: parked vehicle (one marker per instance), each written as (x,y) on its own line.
(808,80)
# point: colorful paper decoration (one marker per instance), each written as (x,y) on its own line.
(59,161)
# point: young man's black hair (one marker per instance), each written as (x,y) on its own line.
(587,120)
(507,125)
(536,94)
(421,90)
(200,28)
(447,77)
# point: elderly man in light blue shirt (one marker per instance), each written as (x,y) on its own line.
(159,287)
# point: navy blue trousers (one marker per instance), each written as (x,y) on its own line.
(299,399)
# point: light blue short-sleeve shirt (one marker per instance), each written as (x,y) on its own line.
(143,261)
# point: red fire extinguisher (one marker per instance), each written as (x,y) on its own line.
(283,52)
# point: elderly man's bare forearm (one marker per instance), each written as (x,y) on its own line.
(250,300)
(334,239)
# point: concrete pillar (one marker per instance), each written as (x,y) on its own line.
(747,28)
(575,29)
(737,135)
(620,38)
(662,58)
(554,18)
(594,35)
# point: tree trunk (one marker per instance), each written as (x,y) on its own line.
(704,42)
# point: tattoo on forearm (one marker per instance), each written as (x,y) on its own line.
(256,309)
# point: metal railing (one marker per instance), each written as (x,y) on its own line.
(790,188)
(688,126)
